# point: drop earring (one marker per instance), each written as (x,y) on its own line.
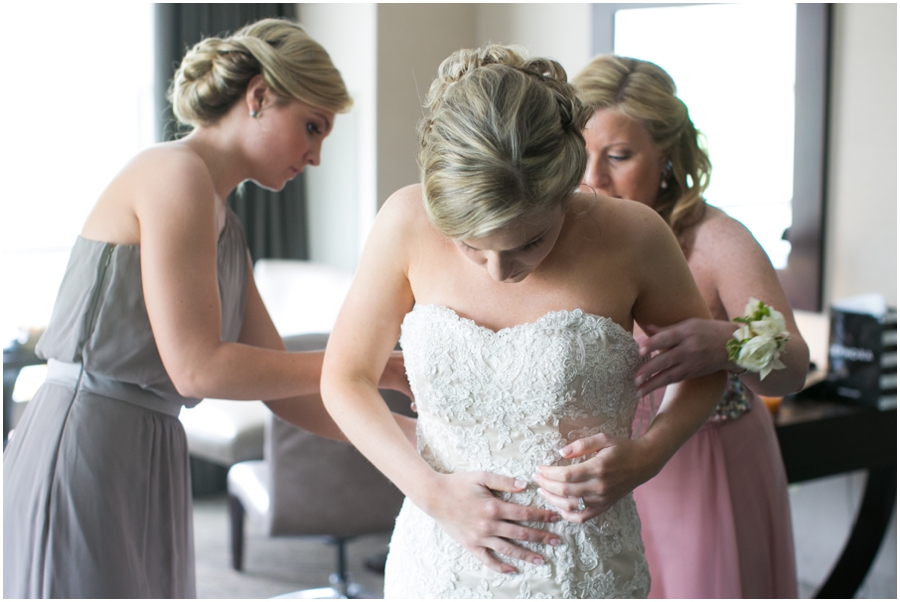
(663,184)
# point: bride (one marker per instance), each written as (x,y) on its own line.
(514,296)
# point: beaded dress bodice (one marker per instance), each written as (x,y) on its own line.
(506,402)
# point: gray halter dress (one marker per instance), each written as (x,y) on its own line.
(96,481)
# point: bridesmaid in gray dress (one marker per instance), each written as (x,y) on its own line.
(157,310)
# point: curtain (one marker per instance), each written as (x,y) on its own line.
(275,222)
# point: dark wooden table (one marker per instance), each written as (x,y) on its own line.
(821,438)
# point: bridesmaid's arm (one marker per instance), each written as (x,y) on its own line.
(307,411)
(176,207)
(739,269)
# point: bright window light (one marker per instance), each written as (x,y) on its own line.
(735,70)
(78,105)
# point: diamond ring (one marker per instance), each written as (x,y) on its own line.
(581,506)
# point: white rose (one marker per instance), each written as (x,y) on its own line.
(770,326)
(742,333)
(751,306)
(760,354)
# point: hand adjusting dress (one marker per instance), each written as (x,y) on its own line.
(506,402)
(96,481)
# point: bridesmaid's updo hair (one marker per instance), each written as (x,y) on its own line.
(215,73)
(646,93)
(501,139)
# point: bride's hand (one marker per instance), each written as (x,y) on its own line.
(394,375)
(468,511)
(590,488)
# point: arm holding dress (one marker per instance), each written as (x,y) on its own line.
(176,216)
(736,268)
(307,411)
(178,211)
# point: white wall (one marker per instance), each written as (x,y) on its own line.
(413,39)
(558,31)
(861,210)
(341,196)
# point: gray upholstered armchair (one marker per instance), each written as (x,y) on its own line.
(308,485)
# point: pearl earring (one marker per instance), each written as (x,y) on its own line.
(254,113)
(663,184)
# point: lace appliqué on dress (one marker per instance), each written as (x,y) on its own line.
(506,402)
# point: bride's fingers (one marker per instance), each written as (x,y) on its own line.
(568,507)
(564,503)
(497,482)
(509,511)
(488,559)
(510,550)
(514,532)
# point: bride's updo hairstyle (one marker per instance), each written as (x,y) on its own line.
(214,74)
(646,93)
(501,139)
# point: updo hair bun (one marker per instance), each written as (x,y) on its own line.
(214,74)
(501,139)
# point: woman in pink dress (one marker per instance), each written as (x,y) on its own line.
(716,520)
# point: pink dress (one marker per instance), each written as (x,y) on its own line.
(716,520)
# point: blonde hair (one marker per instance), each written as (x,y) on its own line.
(502,139)
(646,93)
(215,73)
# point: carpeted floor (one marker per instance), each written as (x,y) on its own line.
(272,566)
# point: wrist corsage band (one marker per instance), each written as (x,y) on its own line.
(759,342)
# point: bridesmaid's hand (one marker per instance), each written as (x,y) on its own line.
(587,489)
(689,349)
(394,375)
(468,511)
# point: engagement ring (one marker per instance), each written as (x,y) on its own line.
(581,505)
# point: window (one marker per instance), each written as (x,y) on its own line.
(79,105)
(753,78)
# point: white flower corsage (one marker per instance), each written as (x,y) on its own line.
(759,342)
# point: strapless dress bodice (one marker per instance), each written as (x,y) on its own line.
(506,402)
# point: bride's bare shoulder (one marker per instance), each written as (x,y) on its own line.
(622,224)
(404,211)
(407,200)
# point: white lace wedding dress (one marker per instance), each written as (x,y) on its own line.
(506,402)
